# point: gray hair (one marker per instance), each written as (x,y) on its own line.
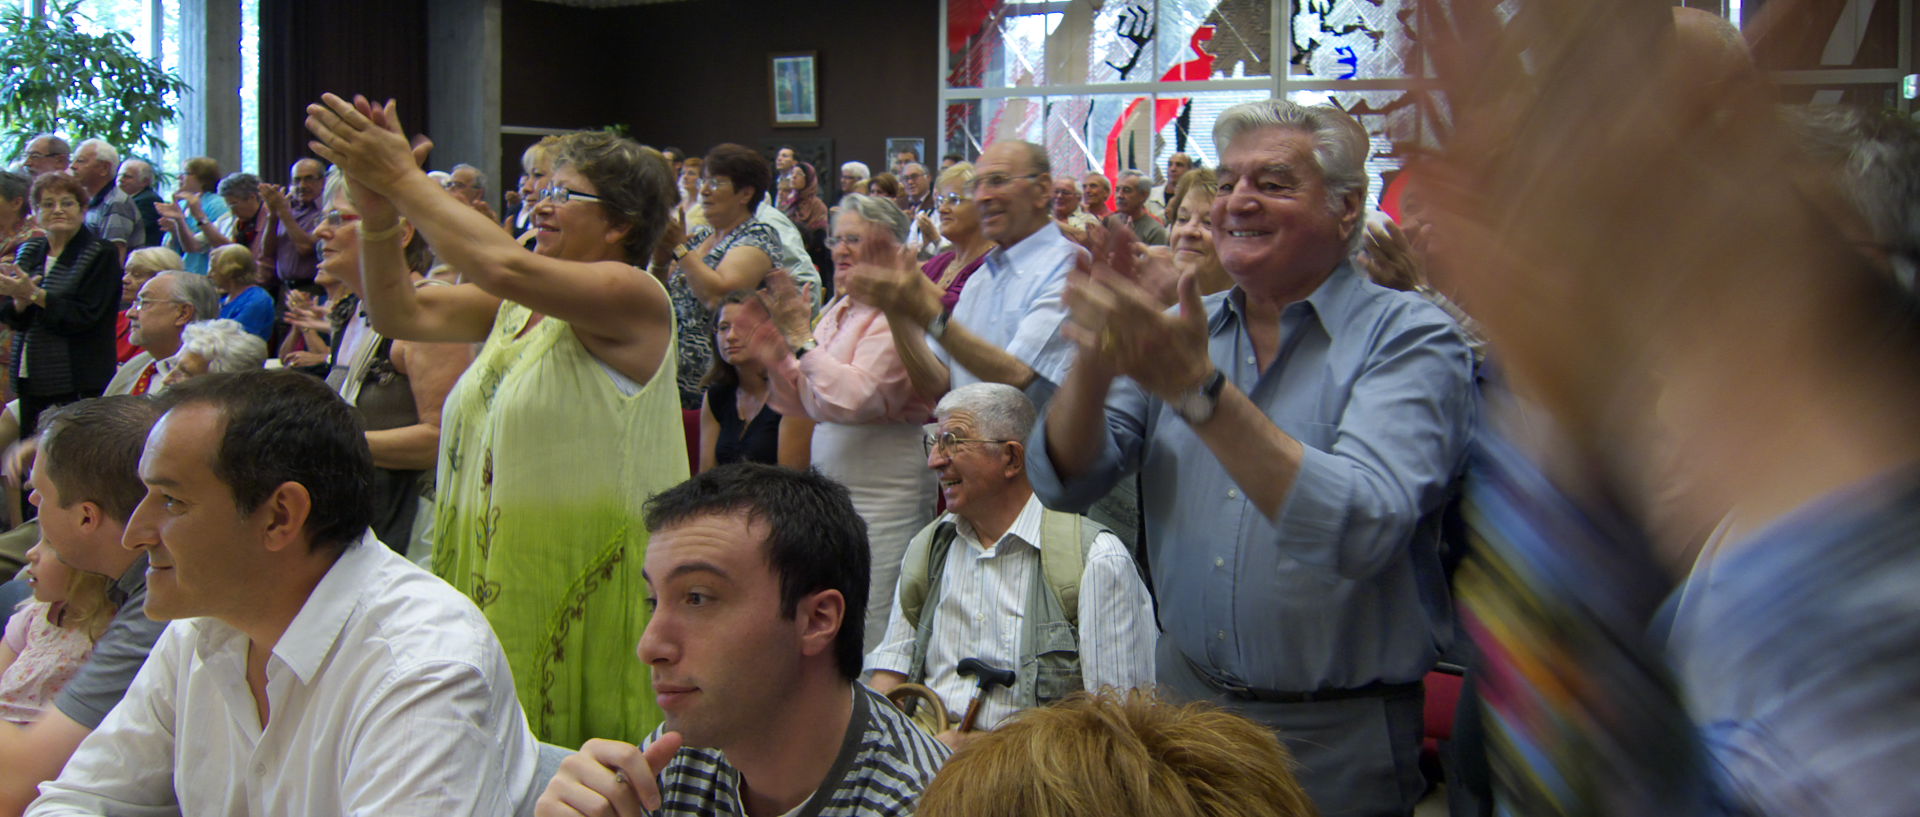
(332,188)
(999,411)
(1340,146)
(878,211)
(240,184)
(196,291)
(12,186)
(1036,156)
(1876,160)
(54,141)
(224,344)
(479,177)
(1132,174)
(144,167)
(858,169)
(101,150)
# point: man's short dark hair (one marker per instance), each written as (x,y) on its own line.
(815,539)
(282,427)
(91,450)
(743,166)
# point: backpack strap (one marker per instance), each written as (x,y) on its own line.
(1065,540)
(916,565)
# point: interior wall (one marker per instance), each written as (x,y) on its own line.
(693,74)
(375,47)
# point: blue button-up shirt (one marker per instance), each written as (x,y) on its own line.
(1799,653)
(1342,587)
(1014,301)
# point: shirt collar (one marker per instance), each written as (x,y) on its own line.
(1332,303)
(317,626)
(130,582)
(1027,253)
(1025,528)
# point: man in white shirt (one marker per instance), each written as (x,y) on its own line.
(310,669)
(980,581)
(1006,326)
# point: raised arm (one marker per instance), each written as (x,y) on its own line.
(608,303)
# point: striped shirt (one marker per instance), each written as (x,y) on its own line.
(884,764)
(982,603)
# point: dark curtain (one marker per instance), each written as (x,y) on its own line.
(374,47)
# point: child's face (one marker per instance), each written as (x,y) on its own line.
(49,574)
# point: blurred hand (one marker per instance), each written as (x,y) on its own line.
(302,359)
(275,197)
(792,312)
(365,141)
(887,277)
(1389,258)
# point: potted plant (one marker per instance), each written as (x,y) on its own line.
(59,79)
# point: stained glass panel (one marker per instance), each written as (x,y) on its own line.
(1206,39)
(1351,39)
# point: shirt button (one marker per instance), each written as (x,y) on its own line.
(1219,562)
(1222,635)
(1251,360)
(1233,494)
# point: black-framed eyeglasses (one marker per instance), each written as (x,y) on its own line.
(946,441)
(308,178)
(995,181)
(561,194)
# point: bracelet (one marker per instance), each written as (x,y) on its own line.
(382,235)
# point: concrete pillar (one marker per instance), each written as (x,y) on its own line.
(210,63)
(463,87)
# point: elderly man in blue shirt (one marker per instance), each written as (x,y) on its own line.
(1296,437)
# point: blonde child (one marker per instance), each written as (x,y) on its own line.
(51,635)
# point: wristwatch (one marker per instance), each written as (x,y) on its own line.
(938,328)
(802,350)
(679,252)
(1196,405)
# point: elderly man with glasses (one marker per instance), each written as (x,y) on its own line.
(47,153)
(1006,326)
(1052,596)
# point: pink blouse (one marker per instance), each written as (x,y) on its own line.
(46,657)
(853,377)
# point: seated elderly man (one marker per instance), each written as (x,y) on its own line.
(757,575)
(166,305)
(309,669)
(217,346)
(1052,596)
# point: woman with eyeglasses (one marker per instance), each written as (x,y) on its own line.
(568,418)
(734,251)
(846,374)
(960,225)
(60,299)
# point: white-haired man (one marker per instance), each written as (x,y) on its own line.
(110,212)
(136,180)
(1052,596)
(1295,437)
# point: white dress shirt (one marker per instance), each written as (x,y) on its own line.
(388,695)
(982,603)
(1014,301)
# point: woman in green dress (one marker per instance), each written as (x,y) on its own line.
(568,419)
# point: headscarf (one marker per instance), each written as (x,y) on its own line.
(806,209)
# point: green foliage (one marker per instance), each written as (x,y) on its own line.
(56,78)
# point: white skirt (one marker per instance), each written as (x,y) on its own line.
(885,469)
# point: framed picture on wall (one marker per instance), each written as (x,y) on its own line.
(795,82)
(897,145)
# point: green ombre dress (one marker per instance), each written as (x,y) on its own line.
(544,467)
